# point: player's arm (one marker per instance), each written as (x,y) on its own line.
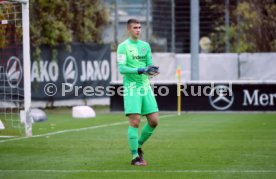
(122,64)
(124,69)
(122,61)
(128,70)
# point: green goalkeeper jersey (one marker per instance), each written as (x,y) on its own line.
(132,55)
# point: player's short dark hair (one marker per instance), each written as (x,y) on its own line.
(135,21)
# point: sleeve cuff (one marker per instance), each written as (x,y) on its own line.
(140,71)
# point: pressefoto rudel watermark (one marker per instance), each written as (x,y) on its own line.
(50,89)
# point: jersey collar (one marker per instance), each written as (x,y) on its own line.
(132,41)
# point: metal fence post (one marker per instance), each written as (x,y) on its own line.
(227,23)
(148,20)
(116,22)
(194,33)
(173,26)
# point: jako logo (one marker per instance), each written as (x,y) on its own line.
(14,71)
(70,71)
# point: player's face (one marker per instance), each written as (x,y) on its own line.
(134,30)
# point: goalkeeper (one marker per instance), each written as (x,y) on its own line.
(135,64)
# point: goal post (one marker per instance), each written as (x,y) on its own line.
(27,66)
(15,84)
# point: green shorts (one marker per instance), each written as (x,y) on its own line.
(140,102)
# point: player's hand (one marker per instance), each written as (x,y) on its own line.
(149,70)
(153,71)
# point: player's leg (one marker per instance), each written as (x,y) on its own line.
(150,110)
(147,131)
(134,121)
(148,128)
(132,104)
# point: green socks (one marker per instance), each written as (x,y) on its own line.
(145,134)
(133,141)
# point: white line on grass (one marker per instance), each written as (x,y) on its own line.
(144,171)
(5,136)
(75,130)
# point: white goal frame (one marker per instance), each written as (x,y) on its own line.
(24,114)
(27,66)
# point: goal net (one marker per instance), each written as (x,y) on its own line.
(15,94)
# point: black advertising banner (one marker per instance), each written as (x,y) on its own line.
(84,72)
(230,97)
(74,75)
(211,97)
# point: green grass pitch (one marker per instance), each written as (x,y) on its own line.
(193,145)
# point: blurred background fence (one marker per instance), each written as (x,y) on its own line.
(225,25)
(236,40)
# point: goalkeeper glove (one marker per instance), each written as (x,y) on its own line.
(149,70)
